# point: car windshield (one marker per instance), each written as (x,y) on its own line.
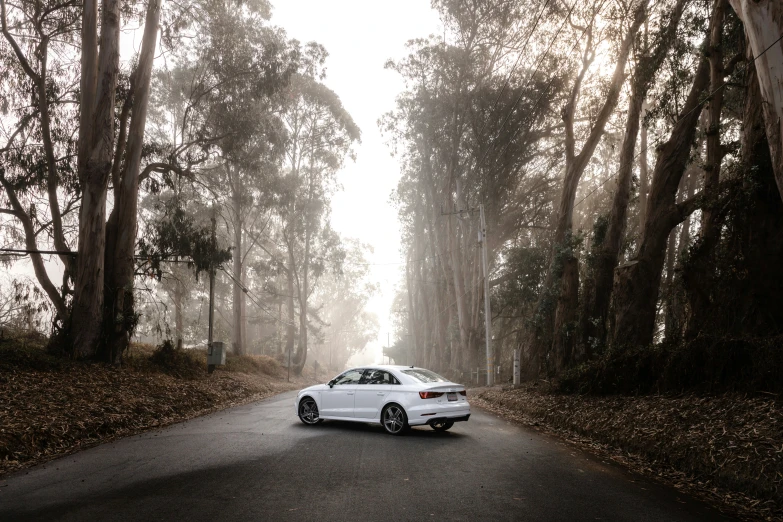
(423,375)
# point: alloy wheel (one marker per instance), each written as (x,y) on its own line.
(394,419)
(308,411)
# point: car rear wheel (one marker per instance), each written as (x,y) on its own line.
(394,419)
(308,411)
(441,425)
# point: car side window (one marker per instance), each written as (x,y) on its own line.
(349,377)
(378,377)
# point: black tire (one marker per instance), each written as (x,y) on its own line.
(394,420)
(441,425)
(308,411)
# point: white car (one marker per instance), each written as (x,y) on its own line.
(394,396)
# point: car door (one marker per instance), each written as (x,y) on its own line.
(371,392)
(338,401)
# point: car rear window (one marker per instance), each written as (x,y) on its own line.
(424,375)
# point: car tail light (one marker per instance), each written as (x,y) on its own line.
(464,393)
(430,395)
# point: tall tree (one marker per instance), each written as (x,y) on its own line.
(320,136)
(596,309)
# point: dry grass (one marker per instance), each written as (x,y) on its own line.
(726,448)
(52,407)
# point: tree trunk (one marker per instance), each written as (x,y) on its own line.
(303,291)
(763,21)
(609,251)
(644,176)
(87,82)
(638,281)
(698,277)
(178,316)
(238,294)
(87,316)
(563,275)
(121,268)
(290,328)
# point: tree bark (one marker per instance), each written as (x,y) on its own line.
(609,251)
(638,281)
(87,317)
(644,176)
(763,21)
(88,82)
(563,272)
(697,278)
(238,293)
(303,291)
(121,268)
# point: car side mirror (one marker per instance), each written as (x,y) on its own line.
(331,383)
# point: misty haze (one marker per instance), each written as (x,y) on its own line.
(358,260)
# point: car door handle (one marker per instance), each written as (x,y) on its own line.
(381,393)
(350,393)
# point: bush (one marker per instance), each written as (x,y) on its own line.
(184,364)
(705,364)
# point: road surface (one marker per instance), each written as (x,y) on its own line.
(259,462)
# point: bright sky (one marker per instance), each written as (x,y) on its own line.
(360,35)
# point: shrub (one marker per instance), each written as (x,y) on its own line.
(178,362)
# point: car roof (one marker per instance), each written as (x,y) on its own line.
(386,367)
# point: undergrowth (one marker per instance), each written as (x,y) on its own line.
(706,364)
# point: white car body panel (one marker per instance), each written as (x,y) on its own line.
(365,402)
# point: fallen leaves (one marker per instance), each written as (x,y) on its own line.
(727,447)
(49,413)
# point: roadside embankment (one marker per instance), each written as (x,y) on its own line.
(52,407)
(725,448)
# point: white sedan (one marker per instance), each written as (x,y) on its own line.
(394,396)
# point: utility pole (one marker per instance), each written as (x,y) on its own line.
(482,237)
(487,310)
(212,286)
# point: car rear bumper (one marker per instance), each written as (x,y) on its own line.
(464,418)
(421,416)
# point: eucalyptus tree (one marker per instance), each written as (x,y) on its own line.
(473,126)
(344,326)
(320,136)
(763,22)
(78,166)
(221,110)
(38,164)
(649,58)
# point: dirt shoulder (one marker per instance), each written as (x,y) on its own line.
(726,449)
(52,407)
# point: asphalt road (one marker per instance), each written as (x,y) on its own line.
(258,462)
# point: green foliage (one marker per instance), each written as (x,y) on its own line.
(177,233)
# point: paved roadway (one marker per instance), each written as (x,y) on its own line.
(258,462)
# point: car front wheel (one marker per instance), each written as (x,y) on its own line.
(308,411)
(394,419)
